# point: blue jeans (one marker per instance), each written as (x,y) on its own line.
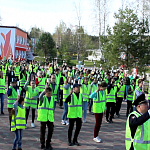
(84,107)
(18,138)
(127,86)
(91,104)
(65,111)
(2,101)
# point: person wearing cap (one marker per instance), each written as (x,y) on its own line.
(13,92)
(137,126)
(85,91)
(2,91)
(74,101)
(99,106)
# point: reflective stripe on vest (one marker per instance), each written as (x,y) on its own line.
(141,136)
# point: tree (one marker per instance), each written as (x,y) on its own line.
(46,46)
(35,32)
(128,39)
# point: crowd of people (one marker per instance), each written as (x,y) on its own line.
(77,91)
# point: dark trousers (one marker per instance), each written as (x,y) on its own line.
(98,119)
(10,115)
(61,98)
(50,126)
(91,104)
(78,128)
(118,104)
(129,107)
(27,114)
(110,110)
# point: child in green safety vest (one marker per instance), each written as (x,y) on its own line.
(46,116)
(18,122)
(66,92)
(32,93)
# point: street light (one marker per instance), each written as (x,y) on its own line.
(94,64)
(57,54)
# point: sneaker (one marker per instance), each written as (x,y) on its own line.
(32,125)
(97,139)
(84,120)
(2,113)
(76,143)
(108,121)
(63,122)
(67,123)
(42,146)
(70,144)
(91,113)
(118,115)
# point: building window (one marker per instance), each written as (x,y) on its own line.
(20,40)
(16,39)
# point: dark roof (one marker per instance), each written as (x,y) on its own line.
(16,28)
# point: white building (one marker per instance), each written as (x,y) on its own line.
(96,54)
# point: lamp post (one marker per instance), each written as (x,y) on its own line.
(57,54)
(94,64)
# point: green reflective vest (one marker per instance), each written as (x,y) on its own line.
(66,93)
(12,98)
(148,93)
(29,94)
(2,85)
(99,103)
(18,122)
(46,110)
(75,107)
(4,72)
(61,85)
(141,140)
(54,91)
(80,81)
(130,96)
(85,90)
(23,80)
(57,78)
(121,92)
(94,87)
(17,71)
(138,89)
(50,70)
(41,85)
(111,96)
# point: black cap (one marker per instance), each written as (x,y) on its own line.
(140,100)
(76,85)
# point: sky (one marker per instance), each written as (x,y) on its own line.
(47,14)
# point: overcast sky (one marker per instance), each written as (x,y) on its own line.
(47,14)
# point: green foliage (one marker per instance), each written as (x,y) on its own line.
(129,38)
(45,46)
